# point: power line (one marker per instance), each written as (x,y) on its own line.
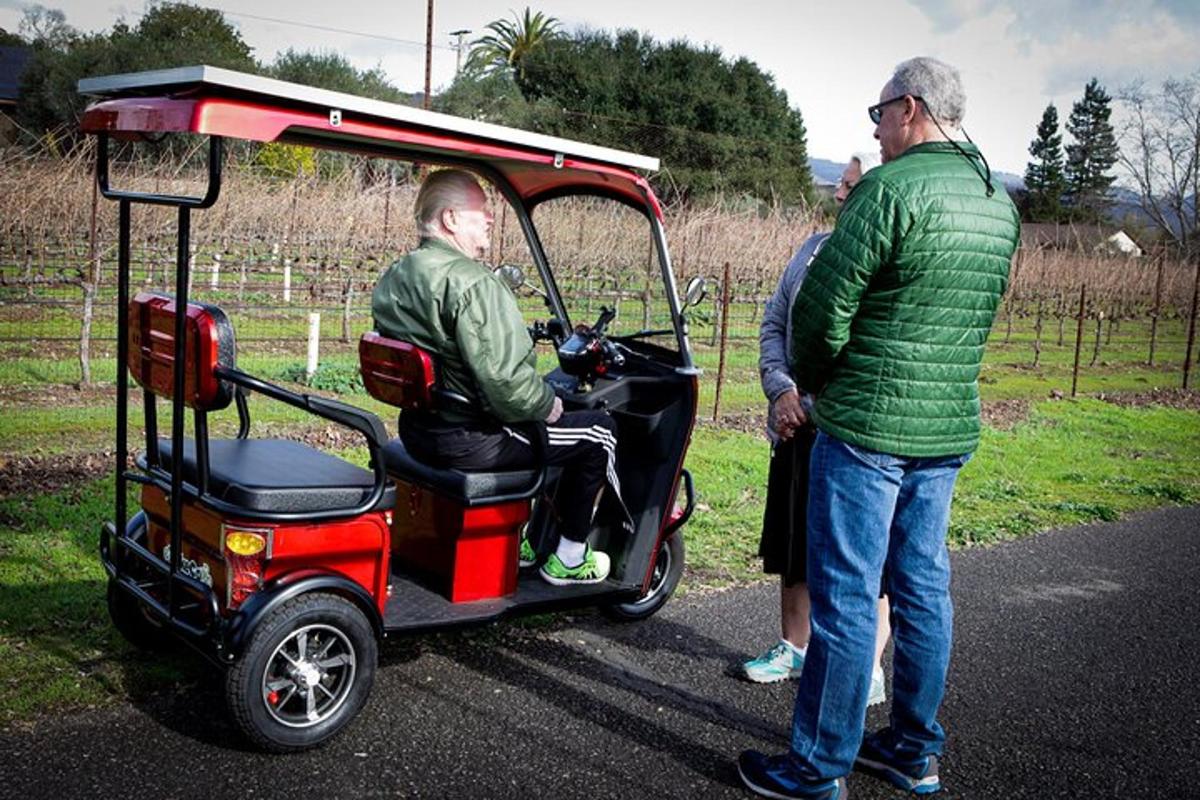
(326,28)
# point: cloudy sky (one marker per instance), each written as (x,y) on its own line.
(830,58)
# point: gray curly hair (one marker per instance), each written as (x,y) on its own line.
(935,82)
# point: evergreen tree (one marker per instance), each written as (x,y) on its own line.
(1044,179)
(1092,156)
(720,126)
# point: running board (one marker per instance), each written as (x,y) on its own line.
(413,607)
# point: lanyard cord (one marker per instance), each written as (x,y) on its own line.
(986,174)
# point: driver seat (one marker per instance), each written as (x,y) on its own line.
(458,528)
(403,375)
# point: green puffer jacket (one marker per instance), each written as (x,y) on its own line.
(460,313)
(889,326)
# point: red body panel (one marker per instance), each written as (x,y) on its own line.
(152,351)
(530,172)
(469,553)
(395,372)
(355,548)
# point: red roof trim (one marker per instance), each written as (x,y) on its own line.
(258,122)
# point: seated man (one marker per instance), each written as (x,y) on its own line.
(441,299)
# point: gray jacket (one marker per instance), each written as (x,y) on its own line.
(775,333)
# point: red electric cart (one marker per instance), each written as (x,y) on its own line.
(285,565)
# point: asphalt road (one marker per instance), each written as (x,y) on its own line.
(1074,676)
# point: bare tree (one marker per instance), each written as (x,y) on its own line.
(1160,149)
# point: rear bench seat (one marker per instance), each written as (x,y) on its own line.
(278,476)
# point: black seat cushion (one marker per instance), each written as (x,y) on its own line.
(469,488)
(278,476)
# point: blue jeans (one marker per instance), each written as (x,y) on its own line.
(867,509)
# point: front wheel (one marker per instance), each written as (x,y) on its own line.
(304,675)
(668,568)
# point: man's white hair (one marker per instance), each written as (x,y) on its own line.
(935,82)
(867,160)
(446,188)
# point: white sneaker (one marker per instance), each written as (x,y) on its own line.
(878,693)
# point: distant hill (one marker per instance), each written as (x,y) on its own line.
(828,173)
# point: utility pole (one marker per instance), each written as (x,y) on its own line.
(428,51)
(458,47)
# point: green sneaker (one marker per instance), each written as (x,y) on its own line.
(593,569)
(528,556)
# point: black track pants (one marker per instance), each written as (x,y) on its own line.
(583,443)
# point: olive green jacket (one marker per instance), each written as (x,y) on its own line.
(888,329)
(454,308)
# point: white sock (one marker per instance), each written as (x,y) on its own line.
(570,553)
(801,650)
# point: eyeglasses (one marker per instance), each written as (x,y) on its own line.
(875,112)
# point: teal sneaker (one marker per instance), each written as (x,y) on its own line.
(528,556)
(777,664)
(593,569)
(878,692)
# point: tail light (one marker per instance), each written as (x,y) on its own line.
(246,553)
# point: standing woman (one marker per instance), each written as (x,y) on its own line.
(784,540)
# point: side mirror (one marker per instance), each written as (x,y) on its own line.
(514,278)
(512,275)
(696,291)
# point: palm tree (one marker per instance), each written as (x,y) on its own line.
(510,41)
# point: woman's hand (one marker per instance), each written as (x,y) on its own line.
(789,415)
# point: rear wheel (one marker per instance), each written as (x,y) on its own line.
(668,568)
(304,675)
(133,622)
(131,619)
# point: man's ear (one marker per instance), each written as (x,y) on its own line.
(449,219)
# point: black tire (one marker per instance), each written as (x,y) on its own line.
(286,700)
(668,568)
(134,623)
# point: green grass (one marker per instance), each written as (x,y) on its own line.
(58,649)
(1070,462)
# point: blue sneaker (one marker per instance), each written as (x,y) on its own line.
(777,664)
(877,758)
(774,776)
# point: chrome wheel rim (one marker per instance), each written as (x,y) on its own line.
(309,676)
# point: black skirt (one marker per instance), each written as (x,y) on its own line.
(784,543)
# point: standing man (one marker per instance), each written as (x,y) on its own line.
(442,299)
(888,332)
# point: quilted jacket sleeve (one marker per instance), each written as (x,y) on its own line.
(496,348)
(868,230)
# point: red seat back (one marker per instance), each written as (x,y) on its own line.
(208,344)
(396,372)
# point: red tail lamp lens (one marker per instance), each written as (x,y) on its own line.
(245,553)
(245,577)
